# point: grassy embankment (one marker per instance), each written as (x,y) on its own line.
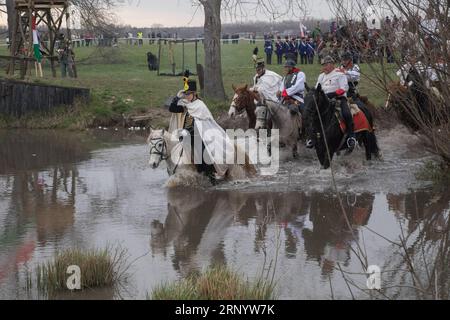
(121,83)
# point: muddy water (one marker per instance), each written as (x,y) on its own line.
(62,190)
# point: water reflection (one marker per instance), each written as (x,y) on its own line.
(197,223)
(312,225)
(39,192)
(419,206)
(26,150)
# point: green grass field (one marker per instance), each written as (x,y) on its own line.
(120,82)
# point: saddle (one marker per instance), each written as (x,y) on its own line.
(354,109)
(360,121)
(290,101)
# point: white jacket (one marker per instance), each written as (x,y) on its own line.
(353,74)
(333,81)
(267,85)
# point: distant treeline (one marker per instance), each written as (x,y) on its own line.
(259,28)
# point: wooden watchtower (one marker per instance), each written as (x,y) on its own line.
(47,12)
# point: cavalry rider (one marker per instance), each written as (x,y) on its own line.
(292,88)
(353,73)
(193,118)
(335,85)
(412,70)
(266,82)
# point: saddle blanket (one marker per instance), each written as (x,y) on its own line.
(359,119)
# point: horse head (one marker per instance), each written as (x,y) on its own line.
(244,98)
(316,100)
(158,147)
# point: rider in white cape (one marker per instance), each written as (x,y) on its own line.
(211,144)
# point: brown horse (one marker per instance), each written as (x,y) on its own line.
(244,100)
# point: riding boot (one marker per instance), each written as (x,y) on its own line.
(348,119)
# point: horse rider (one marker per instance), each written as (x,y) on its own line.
(412,70)
(335,85)
(199,124)
(266,82)
(437,73)
(292,88)
(353,74)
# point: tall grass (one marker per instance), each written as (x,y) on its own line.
(99,268)
(216,283)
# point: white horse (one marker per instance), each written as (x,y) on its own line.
(165,146)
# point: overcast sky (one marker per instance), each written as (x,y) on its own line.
(174,13)
(179,13)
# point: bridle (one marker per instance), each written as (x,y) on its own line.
(160,151)
(237,104)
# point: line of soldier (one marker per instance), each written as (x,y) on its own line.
(302,50)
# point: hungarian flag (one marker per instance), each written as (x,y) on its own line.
(36,44)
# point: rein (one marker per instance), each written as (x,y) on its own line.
(161,152)
(243,101)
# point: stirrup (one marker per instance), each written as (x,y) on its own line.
(351,143)
(310,144)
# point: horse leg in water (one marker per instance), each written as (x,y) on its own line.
(367,145)
(373,143)
(295,151)
(269,135)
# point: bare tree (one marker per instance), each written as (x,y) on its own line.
(94,14)
(276,9)
(417,40)
(11,11)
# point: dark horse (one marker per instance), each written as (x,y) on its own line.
(415,104)
(320,107)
